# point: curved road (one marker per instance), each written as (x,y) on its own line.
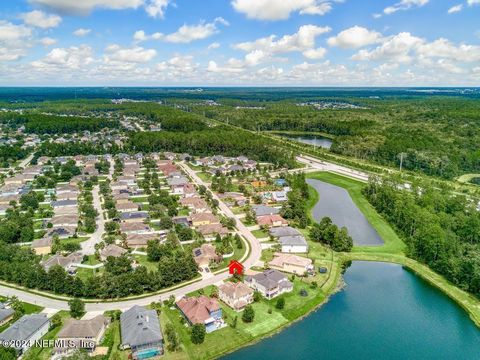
(253,258)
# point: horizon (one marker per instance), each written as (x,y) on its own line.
(240,43)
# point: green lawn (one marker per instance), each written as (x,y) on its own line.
(393,244)
(184,212)
(143,260)
(204,176)
(260,234)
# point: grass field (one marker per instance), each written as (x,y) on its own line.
(393,244)
(260,234)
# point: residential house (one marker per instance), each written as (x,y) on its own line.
(61,204)
(258,184)
(262,210)
(25,331)
(202,310)
(63,232)
(129,180)
(6,314)
(141,332)
(42,246)
(134,228)
(283,231)
(140,240)
(293,244)
(127,207)
(195,203)
(236,295)
(67,262)
(70,195)
(81,334)
(279,196)
(211,230)
(206,254)
(138,216)
(204,218)
(66,189)
(270,283)
(112,250)
(292,264)
(271,220)
(70,220)
(116,185)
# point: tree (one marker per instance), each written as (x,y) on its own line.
(172,338)
(280,304)
(248,314)
(77,308)
(56,321)
(198,333)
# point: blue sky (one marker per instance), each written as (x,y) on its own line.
(240,42)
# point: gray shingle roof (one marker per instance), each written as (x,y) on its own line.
(261,210)
(140,326)
(293,240)
(269,279)
(6,313)
(283,231)
(25,327)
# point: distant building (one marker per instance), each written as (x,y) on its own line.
(206,254)
(42,246)
(6,315)
(293,244)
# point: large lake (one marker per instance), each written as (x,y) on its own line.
(384,312)
(336,203)
(318,141)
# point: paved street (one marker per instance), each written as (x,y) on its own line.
(88,246)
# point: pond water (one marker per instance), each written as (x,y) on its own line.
(336,203)
(318,141)
(384,312)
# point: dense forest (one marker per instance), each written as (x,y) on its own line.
(39,123)
(438,136)
(440,229)
(210,142)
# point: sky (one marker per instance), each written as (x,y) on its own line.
(240,43)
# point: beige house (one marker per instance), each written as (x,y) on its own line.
(199,219)
(236,295)
(127,207)
(42,246)
(206,254)
(85,334)
(290,263)
(112,250)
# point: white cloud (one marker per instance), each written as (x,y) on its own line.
(116,53)
(473,2)
(395,48)
(404,5)
(47,41)
(280,9)
(443,48)
(455,9)
(40,19)
(14,40)
(185,34)
(214,45)
(315,54)
(303,39)
(82,32)
(178,67)
(354,37)
(154,8)
(74,57)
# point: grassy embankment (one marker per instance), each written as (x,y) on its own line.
(394,249)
